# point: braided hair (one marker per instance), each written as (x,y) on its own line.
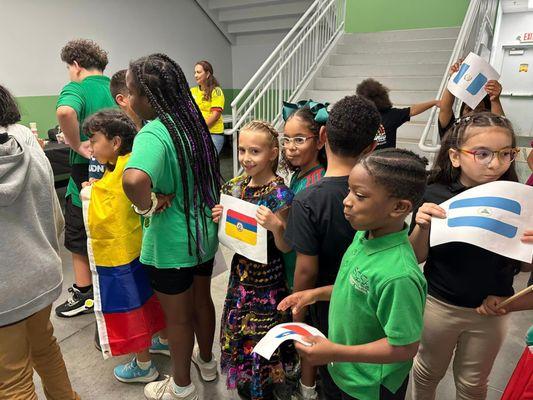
(401,172)
(162,81)
(443,171)
(265,127)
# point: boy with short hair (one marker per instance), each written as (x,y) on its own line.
(121,95)
(87,93)
(316,227)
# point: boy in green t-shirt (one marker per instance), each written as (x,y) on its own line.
(87,93)
(377,302)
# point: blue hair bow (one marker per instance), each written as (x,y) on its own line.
(319,110)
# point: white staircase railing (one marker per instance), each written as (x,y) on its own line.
(475,36)
(287,71)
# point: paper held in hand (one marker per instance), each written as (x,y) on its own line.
(468,84)
(492,216)
(238,229)
(281,333)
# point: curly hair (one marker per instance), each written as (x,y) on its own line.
(111,123)
(401,172)
(9,111)
(86,53)
(265,127)
(352,126)
(375,92)
(211,83)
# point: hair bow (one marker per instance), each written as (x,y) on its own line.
(319,110)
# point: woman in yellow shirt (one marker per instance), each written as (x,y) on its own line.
(210,99)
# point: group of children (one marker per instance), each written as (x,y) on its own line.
(340,254)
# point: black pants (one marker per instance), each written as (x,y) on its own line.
(384,393)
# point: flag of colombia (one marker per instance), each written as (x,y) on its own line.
(241,227)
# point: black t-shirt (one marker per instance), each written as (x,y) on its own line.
(444,129)
(391,120)
(462,274)
(317,227)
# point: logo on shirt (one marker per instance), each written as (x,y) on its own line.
(359,281)
(381,137)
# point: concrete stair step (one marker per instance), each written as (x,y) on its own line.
(404,34)
(263,25)
(396,96)
(397,46)
(224,4)
(414,57)
(334,71)
(413,146)
(258,12)
(393,83)
(411,130)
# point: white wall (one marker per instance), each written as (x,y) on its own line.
(33,32)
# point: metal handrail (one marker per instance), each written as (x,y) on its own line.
(480,15)
(283,75)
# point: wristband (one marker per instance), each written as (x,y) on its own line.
(148,212)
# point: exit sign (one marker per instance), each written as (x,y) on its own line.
(527,37)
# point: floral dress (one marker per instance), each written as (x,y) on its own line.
(254,291)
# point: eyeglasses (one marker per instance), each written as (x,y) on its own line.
(484,156)
(298,140)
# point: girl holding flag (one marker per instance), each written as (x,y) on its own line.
(478,149)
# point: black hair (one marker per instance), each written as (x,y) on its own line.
(118,84)
(9,111)
(485,101)
(163,82)
(307,116)
(87,53)
(352,126)
(375,92)
(401,172)
(443,171)
(111,123)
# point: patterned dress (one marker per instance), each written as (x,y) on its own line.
(254,291)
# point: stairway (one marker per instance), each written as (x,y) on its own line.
(411,63)
(238,19)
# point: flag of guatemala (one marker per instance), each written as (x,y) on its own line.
(494,214)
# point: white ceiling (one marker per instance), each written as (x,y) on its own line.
(510,6)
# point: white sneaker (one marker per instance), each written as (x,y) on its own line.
(164,390)
(208,370)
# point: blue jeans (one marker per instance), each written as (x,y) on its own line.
(218,141)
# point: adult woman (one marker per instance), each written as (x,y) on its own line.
(210,99)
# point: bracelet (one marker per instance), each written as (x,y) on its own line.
(148,212)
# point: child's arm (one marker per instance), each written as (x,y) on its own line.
(446,102)
(276,224)
(494,89)
(322,351)
(489,306)
(305,275)
(419,238)
(298,300)
(68,122)
(419,108)
(138,188)
(216,213)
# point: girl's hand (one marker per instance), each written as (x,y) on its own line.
(455,67)
(426,212)
(527,237)
(217,213)
(321,351)
(163,202)
(493,89)
(489,306)
(297,301)
(89,183)
(267,219)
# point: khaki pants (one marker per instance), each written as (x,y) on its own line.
(31,344)
(476,341)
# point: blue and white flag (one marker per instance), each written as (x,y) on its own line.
(492,216)
(468,83)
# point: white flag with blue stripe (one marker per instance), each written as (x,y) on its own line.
(468,84)
(493,216)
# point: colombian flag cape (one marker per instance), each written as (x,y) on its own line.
(126,308)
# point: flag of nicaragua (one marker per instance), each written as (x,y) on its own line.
(126,308)
(492,216)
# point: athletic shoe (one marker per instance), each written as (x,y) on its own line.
(158,347)
(164,390)
(77,303)
(208,370)
(131,372)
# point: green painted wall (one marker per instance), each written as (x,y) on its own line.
(41,109)
(386,15)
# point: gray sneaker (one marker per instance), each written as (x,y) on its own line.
(208,370)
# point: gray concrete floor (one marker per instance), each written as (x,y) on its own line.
(92,377)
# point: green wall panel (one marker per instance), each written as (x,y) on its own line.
(386,15)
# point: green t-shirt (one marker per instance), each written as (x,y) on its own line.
(165,239)
(86,97)
(379,293)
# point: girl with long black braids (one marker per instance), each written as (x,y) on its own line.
(173,181)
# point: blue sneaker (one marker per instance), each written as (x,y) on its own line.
(131,372)
(158,347)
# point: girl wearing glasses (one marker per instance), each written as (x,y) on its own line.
(479,149)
